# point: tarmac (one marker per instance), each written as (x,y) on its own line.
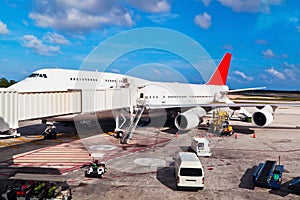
(144,169)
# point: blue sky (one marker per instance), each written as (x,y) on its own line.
(262,35)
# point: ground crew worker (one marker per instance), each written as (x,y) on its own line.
(276,177)
(95,165)
(22,191)
(39,187)
(51,190)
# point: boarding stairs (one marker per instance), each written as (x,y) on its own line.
(130,125)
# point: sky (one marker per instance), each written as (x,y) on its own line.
(262,35)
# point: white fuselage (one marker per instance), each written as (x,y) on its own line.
(157,94)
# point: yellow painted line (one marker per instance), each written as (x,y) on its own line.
(109,133)
(12,144)
(22,139)
(35,137)
(4,144)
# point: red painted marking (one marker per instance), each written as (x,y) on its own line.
(71,181)
(210,168)
(220,75)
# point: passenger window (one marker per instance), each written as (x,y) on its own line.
(45,76)
(41,75)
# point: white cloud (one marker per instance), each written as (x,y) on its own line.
(32,42)
(25,72)
(294,19)
(268,53)
(286,64)
(250,5)
(56,38)
(3,28)
(204,20)
(157,72)
(153,6)
(80,15)
(241,74)
(25,22)
(4,60)
(291,71)
(275,73)
(261,42)
(115,70)
(228,47)
(206,2)
(162,18)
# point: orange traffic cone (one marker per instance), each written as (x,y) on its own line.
(236,136)
(254,135)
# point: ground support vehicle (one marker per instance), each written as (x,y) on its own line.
(268,175)
(227,129)
(295,185)
(201,146)
(36,187)
(189,172)
(95,169)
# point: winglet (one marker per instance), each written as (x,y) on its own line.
(220,75)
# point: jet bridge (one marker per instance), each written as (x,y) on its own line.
(20,106)
(17,106)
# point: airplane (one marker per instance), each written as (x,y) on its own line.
(185,103)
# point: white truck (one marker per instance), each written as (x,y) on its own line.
(201,146)
(189,172)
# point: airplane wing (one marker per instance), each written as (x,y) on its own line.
(220,105)
(263,116)
(243,90)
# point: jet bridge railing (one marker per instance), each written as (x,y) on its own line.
(20,106)
(15,106)
(8,111)
(39,105)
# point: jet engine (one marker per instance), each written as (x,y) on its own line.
(189,119)
(263,117)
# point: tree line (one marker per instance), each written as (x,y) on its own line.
(5,83)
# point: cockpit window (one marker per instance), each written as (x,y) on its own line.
(34,75)
(38,75)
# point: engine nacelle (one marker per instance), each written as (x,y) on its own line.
(189,119)
(263,117)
